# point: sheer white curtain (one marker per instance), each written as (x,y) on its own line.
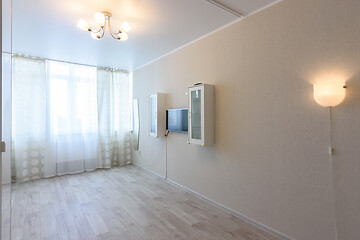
(114,108)
(28,118)
(72,144)
(68,119)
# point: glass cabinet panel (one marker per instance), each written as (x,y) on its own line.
(196,114)
(201,114)
(153,117)
(156,115)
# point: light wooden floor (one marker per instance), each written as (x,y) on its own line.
(5,209)
(122,203)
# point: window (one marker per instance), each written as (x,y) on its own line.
(73,98)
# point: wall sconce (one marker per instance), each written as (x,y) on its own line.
(329,94)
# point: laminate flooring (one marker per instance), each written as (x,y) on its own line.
(124,203)
(5,207)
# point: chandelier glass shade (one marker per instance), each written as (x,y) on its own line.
(103,19)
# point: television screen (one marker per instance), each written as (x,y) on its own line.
(177,120)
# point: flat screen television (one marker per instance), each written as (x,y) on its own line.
(177,120)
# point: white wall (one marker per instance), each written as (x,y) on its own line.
(270,161)
(6,89)
(0,118)
(6,25)
(6,117)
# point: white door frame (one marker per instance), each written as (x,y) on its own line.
(1,117)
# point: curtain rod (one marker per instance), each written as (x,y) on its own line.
(61,61)
(222,6)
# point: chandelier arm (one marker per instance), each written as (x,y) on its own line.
(111,31)
(103,32)
(103,28)
(114,36)
(91,30)
(105,23)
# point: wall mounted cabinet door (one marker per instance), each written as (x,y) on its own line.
(157,114)
(201,114)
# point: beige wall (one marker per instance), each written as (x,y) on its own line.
(270,161)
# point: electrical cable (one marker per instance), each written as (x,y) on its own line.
(166,167)
(332,177)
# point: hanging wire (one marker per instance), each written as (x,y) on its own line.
(332,177)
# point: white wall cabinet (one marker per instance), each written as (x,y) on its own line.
(201,114)
(157,114)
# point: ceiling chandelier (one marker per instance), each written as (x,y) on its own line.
(103,20)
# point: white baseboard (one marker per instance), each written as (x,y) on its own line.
(216,204)
(149,171)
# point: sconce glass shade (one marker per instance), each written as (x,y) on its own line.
(125,27)
(100,19)
(329,94)
(82,24)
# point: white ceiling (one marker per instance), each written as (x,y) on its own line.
(47,28)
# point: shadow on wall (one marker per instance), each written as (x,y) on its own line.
(352,91)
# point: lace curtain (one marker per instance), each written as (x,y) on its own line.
(114,108)
(72,144)
(28,118)
(68,119)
